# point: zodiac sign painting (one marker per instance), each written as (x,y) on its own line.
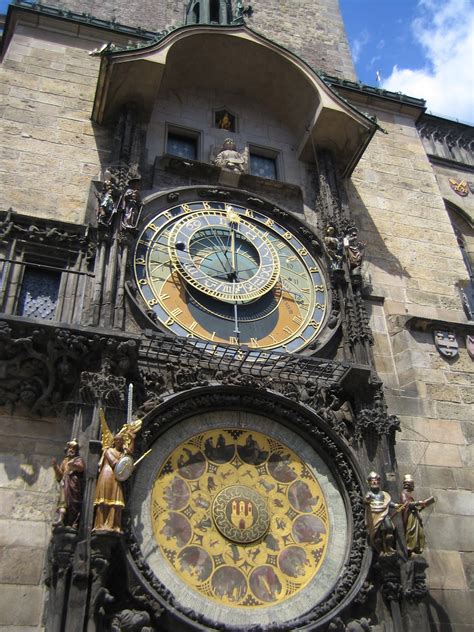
(240,517)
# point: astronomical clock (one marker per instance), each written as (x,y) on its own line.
(239,512)
(226,272)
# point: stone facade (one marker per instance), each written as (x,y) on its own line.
(313,30)
(53,156)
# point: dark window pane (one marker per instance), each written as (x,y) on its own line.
(39,293)
(263,167)
(214,11)
(182,146)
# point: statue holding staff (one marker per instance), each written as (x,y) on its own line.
(70,476)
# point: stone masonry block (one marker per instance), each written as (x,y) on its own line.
(468,564)
(21,565)
(446,570)
(20,605)
(442,455)
(20,533)
(434,430)
(437,477)
(451,607)
(460,502)
(459,412)
(449,532)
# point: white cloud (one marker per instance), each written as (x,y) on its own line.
(359,44)
(445,31)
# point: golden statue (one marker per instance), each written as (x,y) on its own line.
(412,521)
(115,465)
(377,516)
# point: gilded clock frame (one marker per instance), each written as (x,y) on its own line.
(318,332)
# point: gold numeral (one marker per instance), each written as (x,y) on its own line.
(140,262)
(314,324)
(292,258)
(152,302)
(303,252)
(273,338)
(193,325)
(143,282)
(186,208)
(297,320)
(169,322)
(287,330)
(254,342)
(176,312)
(163,297)
(269,222)
(314,269)
(153,226)
(233,340)
(287,235)
(248,212)
(207,206)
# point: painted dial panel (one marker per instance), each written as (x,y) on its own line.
(230,274)
(240,518)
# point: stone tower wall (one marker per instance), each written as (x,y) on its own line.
(414,265)
(313,29)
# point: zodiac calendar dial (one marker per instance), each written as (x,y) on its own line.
(229,274)
(240,517)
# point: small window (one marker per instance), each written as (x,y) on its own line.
(39,293)
(182,143)
(263,164)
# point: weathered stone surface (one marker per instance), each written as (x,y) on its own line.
(21,605)
(328,50)
(444,393)
(21,565)
(454,411)
(468,565)
(451,608)
(450,532)
(446,570)
(460,502)
(22,533)
(464,478)
(438,477)
(435,430)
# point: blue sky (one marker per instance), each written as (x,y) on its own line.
(423,48)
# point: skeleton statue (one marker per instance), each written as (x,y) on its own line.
(334,248)
(131,204)
(107,199)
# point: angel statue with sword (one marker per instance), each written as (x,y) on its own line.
(115,466)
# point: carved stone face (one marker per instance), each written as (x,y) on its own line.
(446,343)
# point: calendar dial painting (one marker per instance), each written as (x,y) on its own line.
(240,518)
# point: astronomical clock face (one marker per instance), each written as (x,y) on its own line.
(235,522)
(226,273)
